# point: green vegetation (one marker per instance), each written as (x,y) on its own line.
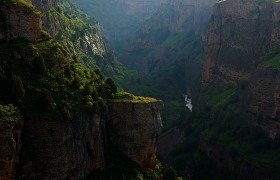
(228,134)
(54,92)
(178,59)
(219,134)
(82,36)
(26,4)
(272,59)
(122,96)
(9,113)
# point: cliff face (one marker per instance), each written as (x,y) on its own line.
(263,100)
(134,129)
(20,22)
(71,149)
(10,135)
(182,15)
(239,33)
(239,36)
(62,149)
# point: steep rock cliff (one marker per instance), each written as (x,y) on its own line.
(263,100)
(71,149)
(62,149)
(239,37)
(20,22)
(10,136)
(134,129)
(239,33)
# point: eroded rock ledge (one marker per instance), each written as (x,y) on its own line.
(134,129)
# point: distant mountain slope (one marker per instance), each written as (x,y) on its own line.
(81,34)
(121,18)
(168,48)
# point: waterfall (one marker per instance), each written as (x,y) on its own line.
(188,102)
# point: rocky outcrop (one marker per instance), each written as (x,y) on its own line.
(239,33)
(21,21)
(62,149)
(134,129)
(10,134)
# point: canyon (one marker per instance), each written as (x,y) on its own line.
(223,55)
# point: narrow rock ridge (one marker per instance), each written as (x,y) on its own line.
(134,129)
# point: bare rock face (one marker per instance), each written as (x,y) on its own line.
(264,100)
(10,133)
(239,33)
(20,21)
(185,15)
(134,129)
(62,149)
